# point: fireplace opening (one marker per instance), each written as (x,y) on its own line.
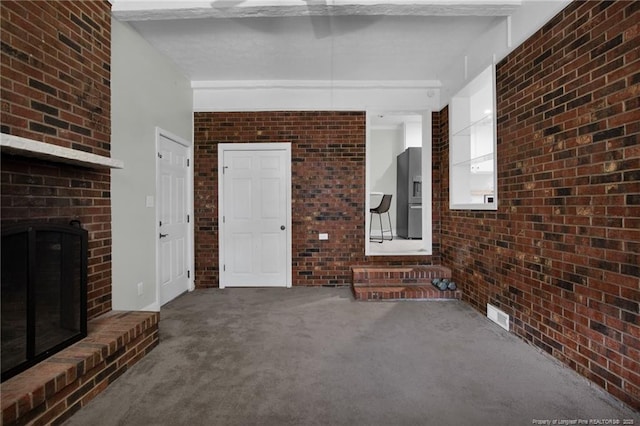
(44,292)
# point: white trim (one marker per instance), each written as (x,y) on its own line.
(47,151)
(427,181)
(316,84)
(311,95)
(153,307)
(269,146)
(190,229)
(137,10)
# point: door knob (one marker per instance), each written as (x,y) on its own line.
(164,235)
(282,227)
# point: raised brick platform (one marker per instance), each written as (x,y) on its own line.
(54,389)
(400,283)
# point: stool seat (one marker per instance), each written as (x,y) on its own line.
(382,208)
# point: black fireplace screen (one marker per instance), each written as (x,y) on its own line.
(44,292)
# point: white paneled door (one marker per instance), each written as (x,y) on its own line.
(173,223)
(255,218)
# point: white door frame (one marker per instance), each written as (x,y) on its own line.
(273,146)
(190,229)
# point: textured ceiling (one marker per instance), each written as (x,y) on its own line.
(347,48)
(312,40)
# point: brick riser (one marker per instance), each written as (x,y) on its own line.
(412,292)
(400,283)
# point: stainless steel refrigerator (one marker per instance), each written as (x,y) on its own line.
(409,194)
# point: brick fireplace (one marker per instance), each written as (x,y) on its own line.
(55,168)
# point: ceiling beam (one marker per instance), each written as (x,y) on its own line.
(145,10)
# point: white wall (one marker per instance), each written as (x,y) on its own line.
(497,43)
(412,133)
(147,90)
(386,144)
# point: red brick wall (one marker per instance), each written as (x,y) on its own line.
(561,255)
(55,88)
(56,59)
(328,194)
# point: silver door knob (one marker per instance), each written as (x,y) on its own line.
(282,227)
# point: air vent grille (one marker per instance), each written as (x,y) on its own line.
(497,316)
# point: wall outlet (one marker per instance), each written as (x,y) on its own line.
(323,236)
(149,201)
(140,289)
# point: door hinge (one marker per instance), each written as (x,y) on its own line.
(188,162)
(160,223)
(223,219)
(188,218)
(188,273)
(224,267)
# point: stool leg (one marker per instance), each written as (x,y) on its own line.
(390,227)
(370,228)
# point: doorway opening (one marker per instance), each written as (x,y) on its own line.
(398,150)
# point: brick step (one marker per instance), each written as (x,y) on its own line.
(400,283)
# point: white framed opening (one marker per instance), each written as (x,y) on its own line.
(389,134)
(473,177)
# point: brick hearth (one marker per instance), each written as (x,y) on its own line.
(53,390)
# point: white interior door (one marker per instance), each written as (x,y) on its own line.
(173,226)
(255,205)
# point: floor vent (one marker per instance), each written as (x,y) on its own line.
(497,316)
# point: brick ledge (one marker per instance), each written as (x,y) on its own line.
(56,388)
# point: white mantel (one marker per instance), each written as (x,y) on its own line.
(46,151)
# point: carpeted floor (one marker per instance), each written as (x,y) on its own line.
(313,356)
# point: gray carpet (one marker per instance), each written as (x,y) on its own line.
(313,356)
